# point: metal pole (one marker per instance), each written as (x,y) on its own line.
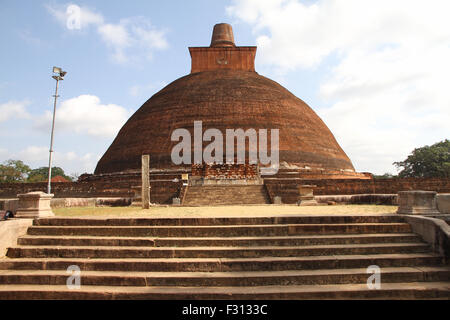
(51,139)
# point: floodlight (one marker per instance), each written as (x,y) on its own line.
(58,75)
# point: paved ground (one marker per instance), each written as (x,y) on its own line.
(223,211)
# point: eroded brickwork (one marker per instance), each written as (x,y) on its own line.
(161,191)
(225,171)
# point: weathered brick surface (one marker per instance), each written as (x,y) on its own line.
(238,58)
(224,92)
(225,171)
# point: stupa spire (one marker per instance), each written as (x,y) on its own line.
(222,36)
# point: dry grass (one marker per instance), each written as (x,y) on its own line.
(222,211)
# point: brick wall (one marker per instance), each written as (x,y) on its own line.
(287,188)
(235,58)
(161,191)
(164,190)
(225,171)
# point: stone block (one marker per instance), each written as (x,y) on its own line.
(137,199)
(434,231)
(112,202)
(72,202)
(306,195)
(277,200)
(145,181)
(10,230)
(34,205)
(443,202)
(417,202)
(9,205)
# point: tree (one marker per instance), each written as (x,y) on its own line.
(41,174)
(387,175)
(13,171)
(427,162)
(74,176)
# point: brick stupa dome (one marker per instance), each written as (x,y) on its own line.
(224,92)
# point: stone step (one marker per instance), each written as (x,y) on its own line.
(282,257)
(29,240)
(226,194)
(410,290)
(214,252)
(226,264)
(219,279)
(297,219)
(225,230)
(233,189)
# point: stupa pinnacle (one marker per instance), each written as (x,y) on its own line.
(222,36)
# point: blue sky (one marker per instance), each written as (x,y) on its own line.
(377,77)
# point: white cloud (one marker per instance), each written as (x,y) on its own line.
(130,40)
(14,110)
(115,35)
(70,162)
(150,36)
(130,35)
(388,89)
(86,115)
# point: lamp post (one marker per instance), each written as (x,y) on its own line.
(58,75)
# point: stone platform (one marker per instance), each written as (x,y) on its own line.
(272,257)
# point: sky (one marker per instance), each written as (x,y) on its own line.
(376,71)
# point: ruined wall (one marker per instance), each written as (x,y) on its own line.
(287,188)
(225,171)
(164,190)
(161,191)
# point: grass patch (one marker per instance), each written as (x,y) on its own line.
(221,211)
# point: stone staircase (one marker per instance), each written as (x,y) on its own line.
(286,257)
(226,195)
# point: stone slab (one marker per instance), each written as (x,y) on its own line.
(277,200)
(72,202)
(434,231)
(145,190)
(443,202)
(10,230)
(9,205)
(34,205)
(417,202)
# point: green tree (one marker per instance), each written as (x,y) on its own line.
(13,171)
(427,162)
(387,175)
(41,174)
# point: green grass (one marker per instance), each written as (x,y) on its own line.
(265,210)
